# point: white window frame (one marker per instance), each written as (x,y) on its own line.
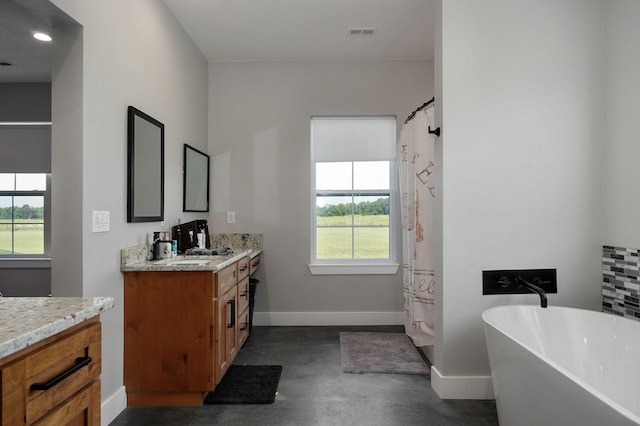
(33,259)
(356,266)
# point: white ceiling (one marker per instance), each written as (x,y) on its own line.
(30,59)
(277,30)
(245,30)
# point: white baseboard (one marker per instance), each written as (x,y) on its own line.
(112,406)
(461,387)
(428,352)
(328,318)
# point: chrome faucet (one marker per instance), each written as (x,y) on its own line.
(534,288)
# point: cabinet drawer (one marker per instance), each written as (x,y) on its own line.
(226,278)
(243,268)
(81,409)
(243,294)
(53,361)
(254,264)
(38,382)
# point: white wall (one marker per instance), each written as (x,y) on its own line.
(259,117)
(622,101)
(128,53)
(521,154)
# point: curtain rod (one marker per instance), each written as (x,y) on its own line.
(420,108)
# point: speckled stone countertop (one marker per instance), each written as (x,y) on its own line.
(187,263)
(138,258)
(28,320)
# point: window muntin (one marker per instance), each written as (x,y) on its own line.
(23,208)
(352,210)
(353,181)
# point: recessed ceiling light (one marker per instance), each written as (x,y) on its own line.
(42,36)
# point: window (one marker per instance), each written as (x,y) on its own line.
(353,181)
(24,209)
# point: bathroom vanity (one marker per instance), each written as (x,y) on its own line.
(185,319)
(50,360)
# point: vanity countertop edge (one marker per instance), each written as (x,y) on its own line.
(214,263)
(25,321)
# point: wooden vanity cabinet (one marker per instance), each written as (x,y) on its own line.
(183,329)
(54,382)
(169,332)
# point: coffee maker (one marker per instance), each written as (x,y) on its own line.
(186,234)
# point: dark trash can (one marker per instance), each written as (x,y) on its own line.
(253,283)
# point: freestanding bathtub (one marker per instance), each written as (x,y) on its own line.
(563,366)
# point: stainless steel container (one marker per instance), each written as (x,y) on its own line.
(164,249)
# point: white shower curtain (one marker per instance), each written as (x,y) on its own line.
(416,170)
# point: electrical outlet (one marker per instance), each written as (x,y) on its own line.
(231,217)
(503,281)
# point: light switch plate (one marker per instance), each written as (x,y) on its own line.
(101,221)
(231,217)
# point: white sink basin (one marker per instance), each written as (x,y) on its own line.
(188,262)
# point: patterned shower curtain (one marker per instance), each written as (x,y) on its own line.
(416,168)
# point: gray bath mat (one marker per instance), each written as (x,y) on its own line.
(380,353)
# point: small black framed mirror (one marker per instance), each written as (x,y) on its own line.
(196,180)
(145,167)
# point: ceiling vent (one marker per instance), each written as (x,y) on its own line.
(362,32)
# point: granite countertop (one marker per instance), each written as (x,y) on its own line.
(188,263)
(25,321)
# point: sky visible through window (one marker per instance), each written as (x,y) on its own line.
(23,182)
(342,176)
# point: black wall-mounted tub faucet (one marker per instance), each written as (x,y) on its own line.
(534,288)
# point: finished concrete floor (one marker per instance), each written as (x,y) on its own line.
(313,390)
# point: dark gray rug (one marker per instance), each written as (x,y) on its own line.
(391,353)
(247,384)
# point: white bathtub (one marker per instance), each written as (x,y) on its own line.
(563,366)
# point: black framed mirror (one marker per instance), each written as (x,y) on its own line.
(195,190)
(145,167)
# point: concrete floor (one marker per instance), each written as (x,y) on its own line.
(313,390)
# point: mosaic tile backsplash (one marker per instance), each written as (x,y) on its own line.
(620,281)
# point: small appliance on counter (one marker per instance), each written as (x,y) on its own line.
(186,234)
(162,246)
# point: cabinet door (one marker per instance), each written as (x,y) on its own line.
(227,336)
(168,337)
(243,327)
(243,295)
